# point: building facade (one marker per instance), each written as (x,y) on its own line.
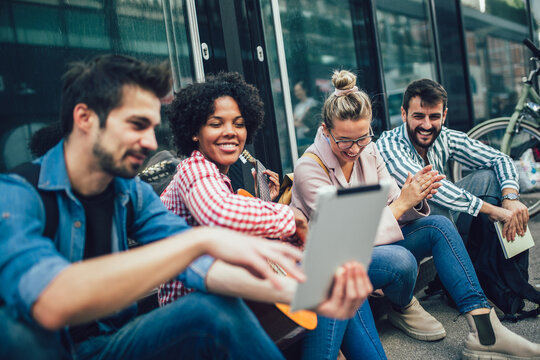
(287,48)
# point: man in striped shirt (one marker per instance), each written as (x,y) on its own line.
(423,140)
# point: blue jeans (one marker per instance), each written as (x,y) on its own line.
(20,340)
(198,326)
(481,183)
(393,269)
(436,235)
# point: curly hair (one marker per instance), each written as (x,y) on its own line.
(193,105)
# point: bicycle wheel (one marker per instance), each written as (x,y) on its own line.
(525,147)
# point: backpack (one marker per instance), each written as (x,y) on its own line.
(285,189)
(30,172)
(160,170)
(504,281)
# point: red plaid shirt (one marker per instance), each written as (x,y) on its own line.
(204,196)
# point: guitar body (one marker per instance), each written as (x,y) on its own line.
(280,328)
(283,326)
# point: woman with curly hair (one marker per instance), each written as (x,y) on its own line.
(211,123)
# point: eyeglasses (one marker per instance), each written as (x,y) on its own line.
(362,141)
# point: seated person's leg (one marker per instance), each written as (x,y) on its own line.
(394,269)
(362,326)
(20,340)
(325,340)
(487,336)
(436,235)
(196,326)
(481,183)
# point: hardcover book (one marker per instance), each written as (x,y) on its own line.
(520,243)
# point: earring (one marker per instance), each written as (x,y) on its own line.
(195,138)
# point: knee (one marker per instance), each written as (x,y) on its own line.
(400,260)
(485,176)
(404,261)
(441,222)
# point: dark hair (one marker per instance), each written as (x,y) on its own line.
(99,84)
(45,138)
(193,105)
(431,93)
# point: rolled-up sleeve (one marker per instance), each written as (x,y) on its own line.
(28,261)
(195,274)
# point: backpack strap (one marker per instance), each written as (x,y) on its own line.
(318,160)
(30,172)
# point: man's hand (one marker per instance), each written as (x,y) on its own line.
(351,288)
(519,218)
(301,224)
(252,253)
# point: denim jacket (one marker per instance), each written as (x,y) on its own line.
(29,261)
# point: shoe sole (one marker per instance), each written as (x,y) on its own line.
(433,336)
(486,355)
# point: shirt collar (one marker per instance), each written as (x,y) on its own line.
(199,155)
(53,174)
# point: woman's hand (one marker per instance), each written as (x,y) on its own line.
(301,222)
(350,289)
(423,185)
(273,183)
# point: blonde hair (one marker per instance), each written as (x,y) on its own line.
(347,102)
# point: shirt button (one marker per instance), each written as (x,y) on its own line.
(77,224)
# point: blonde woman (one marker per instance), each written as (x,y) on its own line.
(344,144)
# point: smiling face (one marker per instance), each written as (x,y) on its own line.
(347,130)
(121,147)
(424,123)
(222,138)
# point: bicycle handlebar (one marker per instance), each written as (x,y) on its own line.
(532,47)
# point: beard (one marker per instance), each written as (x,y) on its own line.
(108,164)
(413,135)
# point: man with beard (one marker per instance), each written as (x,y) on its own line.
(70,292)
(423,139)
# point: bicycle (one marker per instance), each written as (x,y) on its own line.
(517,136)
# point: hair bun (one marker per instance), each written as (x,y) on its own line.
(343,80)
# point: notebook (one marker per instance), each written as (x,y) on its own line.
(520,243)
(342,228)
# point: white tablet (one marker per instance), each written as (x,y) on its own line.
(342,228)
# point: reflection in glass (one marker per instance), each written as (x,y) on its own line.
(277,87)
(38,39)
(535,10)
(497,60)
(318,38)
(406,49)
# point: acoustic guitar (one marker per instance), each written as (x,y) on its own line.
(283,330)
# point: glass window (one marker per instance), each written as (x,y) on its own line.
(318,37)
(277,87)
(39,37)
(407,48)
(497,60)
(535,9)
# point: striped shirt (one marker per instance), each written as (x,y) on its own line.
(202,195)
(401,158)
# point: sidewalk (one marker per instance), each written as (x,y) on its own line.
(398,346)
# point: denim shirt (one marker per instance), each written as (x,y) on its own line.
(29,261)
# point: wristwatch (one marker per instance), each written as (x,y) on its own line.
(511,196)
